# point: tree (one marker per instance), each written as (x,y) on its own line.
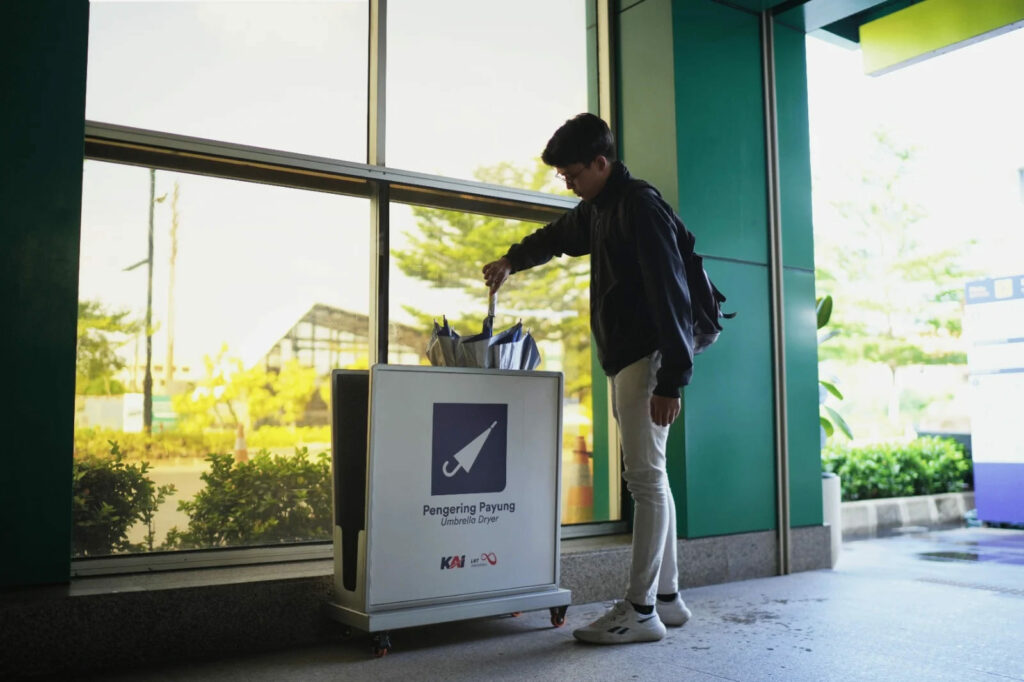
(101,332)
(279,396)
(218,399)
(552,300)
(900,284)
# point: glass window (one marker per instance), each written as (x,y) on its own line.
(473,84)
(257,293)
(280,75)
(222,341)
(436,259)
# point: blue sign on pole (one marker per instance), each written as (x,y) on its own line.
(994,326)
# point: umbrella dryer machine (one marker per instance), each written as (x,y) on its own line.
(446,495)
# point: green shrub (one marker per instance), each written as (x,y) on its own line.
(923,466)
(269,499)
(287,436)
(110,496)
(93,442)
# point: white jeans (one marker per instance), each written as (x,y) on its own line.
(653,569)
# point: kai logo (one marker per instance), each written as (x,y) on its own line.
(457,561)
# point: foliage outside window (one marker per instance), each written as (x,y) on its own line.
(257,293)
(900,287)
(444,250)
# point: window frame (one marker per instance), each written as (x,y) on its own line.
(375,181)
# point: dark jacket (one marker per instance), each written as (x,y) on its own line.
(639,299)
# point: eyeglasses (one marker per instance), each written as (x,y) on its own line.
(570,178)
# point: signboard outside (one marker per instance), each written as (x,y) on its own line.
(994,325)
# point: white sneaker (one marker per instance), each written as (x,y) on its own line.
(622,624)
(673,613)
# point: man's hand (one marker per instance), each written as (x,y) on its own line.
(664,410)
(496,272)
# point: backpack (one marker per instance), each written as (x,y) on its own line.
(705,298)
(705,304)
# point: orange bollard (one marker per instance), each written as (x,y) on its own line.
(579,507)
(241,453)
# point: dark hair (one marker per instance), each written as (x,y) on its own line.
(581,139)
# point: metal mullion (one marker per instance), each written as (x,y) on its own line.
(376,82)
(215,557)
(186,147)
(397,176)
(607,109)
(139,148)
(594,529)
(606,76)
(380,198)
(777,307)
(419,196)
(119,144)
(380,259)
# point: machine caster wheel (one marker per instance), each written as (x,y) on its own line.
(381,644)
(558,615)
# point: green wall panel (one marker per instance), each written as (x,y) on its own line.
(728,415)
(794,148)
(802,399)
(647,122)
(721,456)
(41,127)
(720,128)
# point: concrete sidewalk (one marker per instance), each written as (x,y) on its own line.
(946,605)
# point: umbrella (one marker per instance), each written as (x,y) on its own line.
(443,344)
(510,349)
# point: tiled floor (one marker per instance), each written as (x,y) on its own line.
(943,605)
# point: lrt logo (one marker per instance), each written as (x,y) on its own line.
(469,448)
(484,560)
(456,561)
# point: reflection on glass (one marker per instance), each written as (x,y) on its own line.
(473,84)
(257,293)
(281,75)
(436,259)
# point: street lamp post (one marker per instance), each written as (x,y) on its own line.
(147,382)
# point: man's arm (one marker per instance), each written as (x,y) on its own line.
(568,235)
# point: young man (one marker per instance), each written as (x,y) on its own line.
(640,318)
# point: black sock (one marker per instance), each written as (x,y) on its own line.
(668,597)
(645,609)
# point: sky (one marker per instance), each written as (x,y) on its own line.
(489,87)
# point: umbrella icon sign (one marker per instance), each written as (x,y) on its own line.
(466,457)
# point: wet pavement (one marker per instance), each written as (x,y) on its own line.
(944,605)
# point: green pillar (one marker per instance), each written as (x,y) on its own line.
(41,126)
(692,123)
